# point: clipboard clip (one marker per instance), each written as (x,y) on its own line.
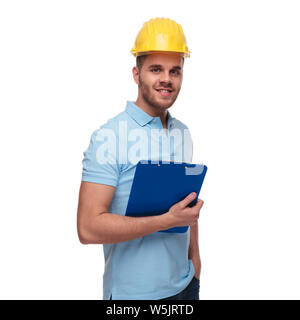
(194,169)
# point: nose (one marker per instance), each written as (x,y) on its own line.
(165,77)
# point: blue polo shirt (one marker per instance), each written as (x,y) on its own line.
(154,266)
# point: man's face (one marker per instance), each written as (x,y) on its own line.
(160,79)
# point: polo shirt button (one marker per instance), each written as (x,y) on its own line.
(154,120)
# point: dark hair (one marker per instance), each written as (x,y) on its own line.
(141,59)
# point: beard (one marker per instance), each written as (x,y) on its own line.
(151,98)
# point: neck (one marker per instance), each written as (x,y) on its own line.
(152,111)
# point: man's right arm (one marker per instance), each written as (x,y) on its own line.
(97,226)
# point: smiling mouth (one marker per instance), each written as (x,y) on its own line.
(164,92)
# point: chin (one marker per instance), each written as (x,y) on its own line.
(165,104)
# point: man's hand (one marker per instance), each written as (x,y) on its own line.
(197,265)
(182,215)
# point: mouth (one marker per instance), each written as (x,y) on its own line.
(164,92)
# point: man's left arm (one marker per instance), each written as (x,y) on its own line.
(194,252)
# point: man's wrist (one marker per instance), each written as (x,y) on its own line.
(166,221)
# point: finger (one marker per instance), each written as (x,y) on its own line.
(199,204)
(188,199)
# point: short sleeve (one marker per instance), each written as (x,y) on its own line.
(100,163)
(187,146)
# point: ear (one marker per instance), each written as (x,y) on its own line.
(135,73)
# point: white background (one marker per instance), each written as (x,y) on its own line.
(65,69)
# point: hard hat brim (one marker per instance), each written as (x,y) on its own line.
(143,53)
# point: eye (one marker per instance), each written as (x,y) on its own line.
(153,70)
(175,71)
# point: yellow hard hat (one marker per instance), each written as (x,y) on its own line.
(160,34)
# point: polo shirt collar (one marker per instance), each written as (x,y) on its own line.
(139,115)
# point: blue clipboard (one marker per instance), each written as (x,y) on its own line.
(158,185)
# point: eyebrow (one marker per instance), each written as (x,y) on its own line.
(160,66)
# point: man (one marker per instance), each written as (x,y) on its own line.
(141,262)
